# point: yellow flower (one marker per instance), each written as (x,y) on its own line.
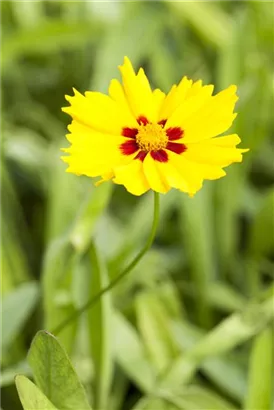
(144,139)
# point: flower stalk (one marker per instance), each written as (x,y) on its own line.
(90,303)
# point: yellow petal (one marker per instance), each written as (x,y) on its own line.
(175,97)
(216,151)
(190,108)
(132,177)
(189,172)
(99,111)
(154,175)
(93,153)
(226,141)
(117,93)
(158,100)
(138,92)
(213,118)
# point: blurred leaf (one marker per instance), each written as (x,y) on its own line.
(14,233)
(30,396)
(91,210)
(233,331)
(260,389)
(54,374)
(28,14)
(51,36)
(130,354)
(100,330)
(65,196)
(129,38)
(28,150)
(153,323)
(208,19)
(224,371)
(261,238)
(196,222)
(151,404)
(16,309)
(195,397)
(8,374)
(57,276)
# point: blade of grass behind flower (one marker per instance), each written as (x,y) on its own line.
(88,215)
(128,39)
(28,14)
(212,23)
(260,242)
(130,354)
(15,235)
(57,276)
(100,330)
(153,324)
(66,193)
(197,239)
(17,307)
(225,372)
(260,389)
(51,36)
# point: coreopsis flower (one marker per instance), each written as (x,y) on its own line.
(145,139)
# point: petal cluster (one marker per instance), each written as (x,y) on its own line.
(144,139)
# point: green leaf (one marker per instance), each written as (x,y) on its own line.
(99,323)
(234,330)
(261,239)
(91,210)
(51,37)
(224,371)
(30,396)
(195,397)
(261,378)
(153,322)
(16,309)
(54,374)
(130,354)
(208,19)
(58,304)
(196,221)
(8,374)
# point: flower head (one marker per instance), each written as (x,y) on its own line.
(144,139)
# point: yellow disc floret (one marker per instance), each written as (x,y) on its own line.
(151,137)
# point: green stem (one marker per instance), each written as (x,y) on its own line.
(128,269)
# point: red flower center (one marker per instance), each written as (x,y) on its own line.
(152,138)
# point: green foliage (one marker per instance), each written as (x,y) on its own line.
(30,396)
(17,306)
(54,374)
(191,327)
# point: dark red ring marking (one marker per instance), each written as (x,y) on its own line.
(174,133)
(141,155)
(129,132)
(160,155)
(142,120)
(129,147)
(176,147)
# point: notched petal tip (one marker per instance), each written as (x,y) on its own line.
(67,110)
(126,66)
(64,150)
(65,159)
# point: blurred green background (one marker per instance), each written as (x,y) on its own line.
(192,326)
